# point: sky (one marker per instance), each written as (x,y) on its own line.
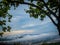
(22,21)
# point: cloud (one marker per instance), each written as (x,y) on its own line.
(40,37)
(28,25)
(31,24)
(37,22)
(18,32)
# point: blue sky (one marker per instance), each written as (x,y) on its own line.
(22,21)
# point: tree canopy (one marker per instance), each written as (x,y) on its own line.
(40,9)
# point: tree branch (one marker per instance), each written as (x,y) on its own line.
(50,10)
(44,12)
(24,3)
(38,8)
(52,20)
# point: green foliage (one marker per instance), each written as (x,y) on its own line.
(40,4)
(36,13)
(1,34)
(16,4)
(4,29)
(9,28)
(52,3)
(4,7)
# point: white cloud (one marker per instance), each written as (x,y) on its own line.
(37,37)
(36,23)
(41,35)
(28,37)
(28,25)
(18,32)
(31,24)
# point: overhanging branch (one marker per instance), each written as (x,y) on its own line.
(44,12)
(52,20)
(50,10)
(36,7)
(27,4)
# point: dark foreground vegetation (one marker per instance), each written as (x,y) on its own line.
(57,43)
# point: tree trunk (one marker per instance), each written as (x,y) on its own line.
(59,18)
(59,25)
(59,22)
(58,29)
